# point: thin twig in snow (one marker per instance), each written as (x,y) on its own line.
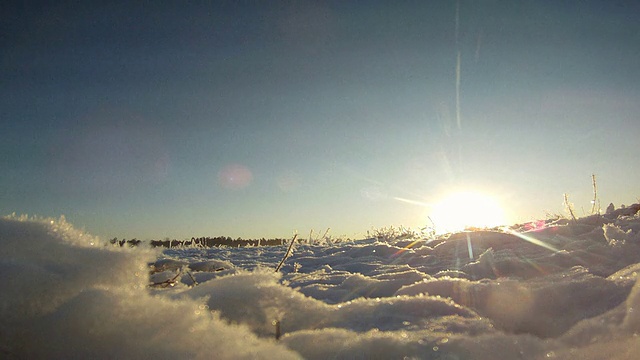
(286,255)
(570,208)
(192,278)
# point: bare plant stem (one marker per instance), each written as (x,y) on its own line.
(324,237)
(570,208)
(168,282)
(594,203)
(433,226)
(192,278)
(276,323)
(286,255)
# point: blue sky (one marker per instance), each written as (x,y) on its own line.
(257,119)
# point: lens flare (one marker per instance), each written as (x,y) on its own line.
(235,177)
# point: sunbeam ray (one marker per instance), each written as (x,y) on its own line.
(413,202)
(530,239)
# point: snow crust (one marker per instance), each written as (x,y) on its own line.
(562,290)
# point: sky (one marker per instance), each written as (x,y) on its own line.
(258,119)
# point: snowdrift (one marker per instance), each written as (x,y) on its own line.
(563,291)
(69,296)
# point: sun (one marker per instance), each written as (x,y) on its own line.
(467,209)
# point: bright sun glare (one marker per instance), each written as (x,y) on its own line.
(463,210)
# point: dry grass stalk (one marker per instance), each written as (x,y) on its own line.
(594,203)
(168,282)
(192,278)
(286,255)
(569,207)
(276,323)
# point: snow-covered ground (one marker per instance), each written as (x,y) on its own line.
(566,290)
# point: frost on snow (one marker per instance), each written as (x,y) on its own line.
(556,291)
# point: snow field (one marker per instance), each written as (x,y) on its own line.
(569,291)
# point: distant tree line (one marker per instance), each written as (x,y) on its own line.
(123,242)
(202,242)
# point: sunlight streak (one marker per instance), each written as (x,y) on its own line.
(401,251)
(530,239)
(458,121)
(534,265)
(413,202)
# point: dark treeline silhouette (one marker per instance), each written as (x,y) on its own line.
(132,242)
(203,242)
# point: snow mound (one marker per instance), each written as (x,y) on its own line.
(70,296)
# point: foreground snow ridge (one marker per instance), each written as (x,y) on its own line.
(560,291)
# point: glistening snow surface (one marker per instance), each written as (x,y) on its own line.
(564,291)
